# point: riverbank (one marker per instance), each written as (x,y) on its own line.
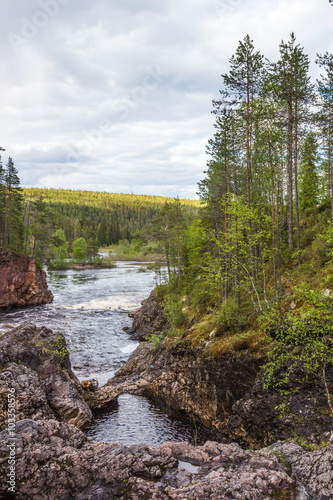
(53,458)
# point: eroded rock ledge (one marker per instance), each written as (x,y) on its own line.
(21,283)
(225,392)
(35,362)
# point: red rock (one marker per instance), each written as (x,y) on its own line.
(21,283)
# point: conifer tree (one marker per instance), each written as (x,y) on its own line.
(243,84)
(290,83)
(324,119)
(308,175)
(12,203)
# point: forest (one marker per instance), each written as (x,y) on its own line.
(46,223)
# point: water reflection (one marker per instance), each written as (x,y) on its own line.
(137,420)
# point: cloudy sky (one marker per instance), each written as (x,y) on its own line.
(115,95)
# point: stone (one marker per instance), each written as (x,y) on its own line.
(29,354)
(56,460)
(149,319)
(21,283)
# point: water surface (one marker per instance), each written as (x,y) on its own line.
(91,308)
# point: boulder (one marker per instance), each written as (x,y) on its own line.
(149,319)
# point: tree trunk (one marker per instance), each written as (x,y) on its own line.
(296,189)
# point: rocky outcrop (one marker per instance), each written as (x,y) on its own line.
(259,418)
(34,362)
(225,392)
(148,320)
(183,381)
(55,460)
(21,283)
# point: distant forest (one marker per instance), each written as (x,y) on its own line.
(105,218)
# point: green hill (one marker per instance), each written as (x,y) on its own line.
(104,217)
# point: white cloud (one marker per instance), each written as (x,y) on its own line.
(125,88)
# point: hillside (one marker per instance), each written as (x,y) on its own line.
(103,217)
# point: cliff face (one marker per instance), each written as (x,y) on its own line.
(21,283)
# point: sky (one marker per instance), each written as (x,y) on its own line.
(116,96)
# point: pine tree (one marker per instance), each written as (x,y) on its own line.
(243,84)
(308,175)
(13,236)
(324,118)
(290,83)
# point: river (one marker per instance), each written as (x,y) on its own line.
(91,308)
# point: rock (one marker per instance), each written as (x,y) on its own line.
(21,283)
(256,421)
(30,398)
(149,319)
(55,460)
(183,381)
(226,393)
(312,468)
(36,363)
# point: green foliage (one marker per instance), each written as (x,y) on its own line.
(59,247)
(161,292)
(203,295)
(303,343)
(61,348)
(155,340)
(320,249)
(175,314)
(309,181)
(79,247)
(11,209)
(229,318)
(105,218)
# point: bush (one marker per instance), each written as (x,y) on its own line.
(202,296)
(320,249)
(160,292)
(175,314)
(229,318)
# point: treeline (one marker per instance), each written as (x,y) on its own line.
(49,223)
(105,218)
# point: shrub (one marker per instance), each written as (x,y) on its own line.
(229,318)
(202,295)
(175,314)
(320,249)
